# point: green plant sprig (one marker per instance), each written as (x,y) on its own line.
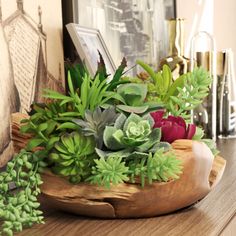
(195,89)
(159,166)
(115,169)
(20,208)
(109,170)
(182,95)
(93,93)
(209,142)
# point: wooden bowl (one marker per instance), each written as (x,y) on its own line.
(201,173)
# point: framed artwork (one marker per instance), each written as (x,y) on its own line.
(88,42)
(31,59)
(134,29)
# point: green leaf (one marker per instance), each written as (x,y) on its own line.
(34,143)
(42,126)
(198,134)
(167,76)
(68,125)
(109,140)
(54,95)
(147,68)
(154,138)
(120,121)
(133,109)
(84,92)
(133,94)
(173,91)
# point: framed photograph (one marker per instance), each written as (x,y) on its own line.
(88,42)
(131,29)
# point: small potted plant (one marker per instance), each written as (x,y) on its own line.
(107,145)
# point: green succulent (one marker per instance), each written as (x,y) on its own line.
(184,94)
(134,96)
(95,122)
(73,156)
(109,170)
(159,166)
(137,133)
(93,92)
(134,131)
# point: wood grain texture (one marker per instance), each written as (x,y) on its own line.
(126,200)
(230,229)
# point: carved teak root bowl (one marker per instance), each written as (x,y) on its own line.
(201,173)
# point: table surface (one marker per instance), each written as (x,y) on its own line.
(208,217)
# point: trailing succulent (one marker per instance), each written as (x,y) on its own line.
(19,209)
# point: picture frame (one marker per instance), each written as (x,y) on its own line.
(88,41)
(130,29)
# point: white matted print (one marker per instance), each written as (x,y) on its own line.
(88,42)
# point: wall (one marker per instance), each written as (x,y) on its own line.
(215,16)
(198,15)
(224,24)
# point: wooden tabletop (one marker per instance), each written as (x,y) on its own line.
(208,217)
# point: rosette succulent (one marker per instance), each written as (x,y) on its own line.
(72,156)
(137,133)
(173,127)
(95,122)
(132,136)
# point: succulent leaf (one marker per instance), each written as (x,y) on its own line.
(120,121)
(112,139)
(134,94)
(72,155)
(133,109)
(95,122)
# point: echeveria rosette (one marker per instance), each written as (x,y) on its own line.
(173,127)
(137,133)
(132,137)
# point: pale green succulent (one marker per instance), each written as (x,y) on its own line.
(132,136)
(134,96)
(137,132)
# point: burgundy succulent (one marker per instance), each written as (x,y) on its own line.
(173,127)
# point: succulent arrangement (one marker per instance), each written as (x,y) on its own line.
(103,131)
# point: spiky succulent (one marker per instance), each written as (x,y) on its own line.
(72,156)
(95,122)
(112,170)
